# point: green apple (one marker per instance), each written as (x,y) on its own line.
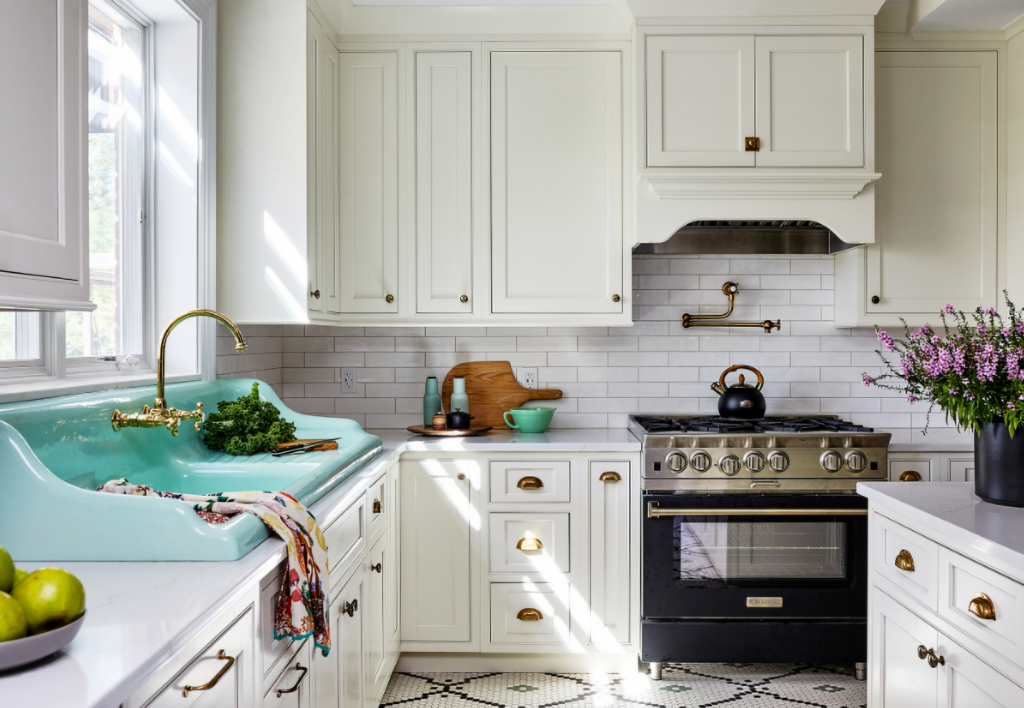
(19,575)
(50,598)
(12,619)
(6,571)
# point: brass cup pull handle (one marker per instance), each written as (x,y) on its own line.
(982,608)
(530,483)
(349,608)
(377,507)
(529,544)
(377,568)
(610,477)
(929,654)
(293,689)
(220,674)
(905,561)
(910,476)
(529,615)
(389,298)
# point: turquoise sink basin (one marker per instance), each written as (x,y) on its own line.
(55,452)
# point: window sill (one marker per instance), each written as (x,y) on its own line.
(31,390)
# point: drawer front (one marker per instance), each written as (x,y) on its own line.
(910,470)
(894,548)
(272,648)
(529,481)
(961,580)
(529,543)
(346,538)
(293,688)
(377,507)
(529,613)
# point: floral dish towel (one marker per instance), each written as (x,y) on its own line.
(302,607)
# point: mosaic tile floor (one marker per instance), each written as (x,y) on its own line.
(682,686)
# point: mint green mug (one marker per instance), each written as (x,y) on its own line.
(529,420)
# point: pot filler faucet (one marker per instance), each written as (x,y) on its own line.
(160,416)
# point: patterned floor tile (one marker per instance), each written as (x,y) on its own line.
(682,686)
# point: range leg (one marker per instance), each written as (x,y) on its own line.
(860,670)
(656,670)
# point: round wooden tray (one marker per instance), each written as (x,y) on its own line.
(458,433)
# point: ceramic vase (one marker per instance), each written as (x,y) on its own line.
(431,401)
(460,401)
(999,465)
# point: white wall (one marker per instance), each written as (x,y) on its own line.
(1015,169)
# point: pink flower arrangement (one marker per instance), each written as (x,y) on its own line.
(975,373)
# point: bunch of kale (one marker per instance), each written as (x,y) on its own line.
(247,426)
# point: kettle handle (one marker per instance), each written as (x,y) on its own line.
(720,388)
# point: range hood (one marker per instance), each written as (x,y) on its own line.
(750,237)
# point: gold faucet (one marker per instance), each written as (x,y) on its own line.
(160,416)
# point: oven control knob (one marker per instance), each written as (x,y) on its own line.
(729,464)
(832,461)
(857,461)
(700,461)
(754,461)
(676,462)
(778,461)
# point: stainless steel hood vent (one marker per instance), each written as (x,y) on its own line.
(750,237)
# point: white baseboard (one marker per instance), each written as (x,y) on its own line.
(546,663)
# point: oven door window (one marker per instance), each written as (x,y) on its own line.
(736,551)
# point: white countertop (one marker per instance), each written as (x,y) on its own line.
(140,614)
(955,517)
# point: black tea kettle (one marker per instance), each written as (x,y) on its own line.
(741,400)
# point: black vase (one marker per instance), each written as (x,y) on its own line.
(999,465)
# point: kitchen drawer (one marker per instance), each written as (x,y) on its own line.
(511,535)
(377,507)
(909,470)
(529,613)
(273,649)
(293,688)
(346,538)
(516,481)
(889,541)
(960,580)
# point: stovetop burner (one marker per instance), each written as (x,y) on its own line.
(773,424)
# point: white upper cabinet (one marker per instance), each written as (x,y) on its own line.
(368,150)
(801,97)
(556,182)
(700,101)
(809,105)
(444,182)
(44,257)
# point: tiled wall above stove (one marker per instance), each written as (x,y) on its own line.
(606,373)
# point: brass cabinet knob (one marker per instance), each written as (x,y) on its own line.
(610,477)
(615,298)
(349,608)
(464,298)
(530,483)
(529,544)
(315,293)
(379,568)
(875,300)
(905,561)
(529,615)
(933,660)
(377,508)
(212,682)
(752,144)
(982,608)
(910,476)
(462,475)
(389,298)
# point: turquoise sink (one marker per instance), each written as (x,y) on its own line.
(54,453)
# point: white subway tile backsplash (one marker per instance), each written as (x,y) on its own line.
(606,373)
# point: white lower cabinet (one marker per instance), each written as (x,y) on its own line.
(931,466)
(293,688)
(378,563)
(338,677)
(610,575)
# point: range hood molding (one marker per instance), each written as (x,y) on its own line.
(747,237)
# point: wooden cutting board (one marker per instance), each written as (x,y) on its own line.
(492,389)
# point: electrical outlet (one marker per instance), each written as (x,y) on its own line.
(348,380)
(529,377)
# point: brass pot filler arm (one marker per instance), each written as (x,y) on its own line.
(160,416)
(730,290)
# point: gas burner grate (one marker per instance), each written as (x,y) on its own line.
(774,424)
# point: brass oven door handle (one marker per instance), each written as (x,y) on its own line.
(654,512)
(610,477)
(905,561)
(929,654)
(530,483)
(529,544)
(293,689)
(529,615)
(220,674)
(982,608)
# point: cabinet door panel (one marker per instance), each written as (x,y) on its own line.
(350,640)
(556,182)
(961,470)
(935,218)
(444,182)
(899,679)
(968,682)
(368,150)
(700,101)
(810,101)
(375,609)
(609,554)
(436,513)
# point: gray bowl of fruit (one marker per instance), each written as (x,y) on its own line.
(40,612)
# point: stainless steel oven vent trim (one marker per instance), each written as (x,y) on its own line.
(654,511)
(749,237)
